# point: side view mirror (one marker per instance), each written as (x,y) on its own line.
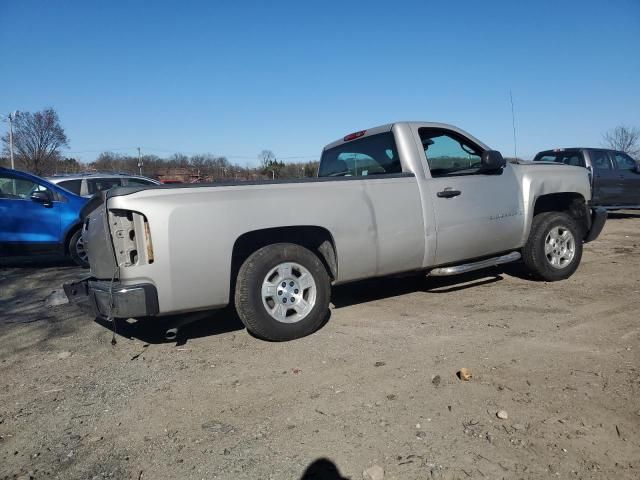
(41,197)
(492,160)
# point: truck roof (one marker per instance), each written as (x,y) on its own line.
(387,127)
(574,149)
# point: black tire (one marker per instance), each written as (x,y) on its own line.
(533,253)
(248,292)
(75,253)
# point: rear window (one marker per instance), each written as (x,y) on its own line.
(138,181)
(72,185)
(99,184)
(568,158)
(373,155)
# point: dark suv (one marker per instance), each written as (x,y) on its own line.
(615,176)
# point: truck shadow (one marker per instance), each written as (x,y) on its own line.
(182,328)
(386,287)
(177,328)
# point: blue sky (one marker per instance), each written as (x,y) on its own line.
(233,78)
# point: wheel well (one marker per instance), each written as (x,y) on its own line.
(316,239)
(68,236)
(572,204)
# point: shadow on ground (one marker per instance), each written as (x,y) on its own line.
(36,261)
(322,469)
(187,326)
(626,214)
(386,287)
(203,324)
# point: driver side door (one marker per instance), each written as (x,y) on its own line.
(477,214)
(25,220)
(627,170)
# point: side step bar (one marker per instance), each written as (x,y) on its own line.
(470,267)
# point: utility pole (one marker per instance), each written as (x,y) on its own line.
(11,118)
(139,161)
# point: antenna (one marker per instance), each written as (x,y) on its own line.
(513,123)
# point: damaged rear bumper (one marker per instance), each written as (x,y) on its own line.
(128,301)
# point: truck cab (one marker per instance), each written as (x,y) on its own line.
(614,175)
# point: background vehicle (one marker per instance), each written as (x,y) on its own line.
(37,216)
(88,184)
(403,197)
(615,176)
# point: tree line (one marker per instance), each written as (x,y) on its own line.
(38,140)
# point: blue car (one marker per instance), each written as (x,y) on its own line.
(37,216)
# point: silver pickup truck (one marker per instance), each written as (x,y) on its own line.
(403,197)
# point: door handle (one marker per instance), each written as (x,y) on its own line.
(448,193)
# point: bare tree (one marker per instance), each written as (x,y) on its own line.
(37,140)
(624,139)
(266,157)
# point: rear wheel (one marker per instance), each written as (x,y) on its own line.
(282,292)
(77,250)
(554,249)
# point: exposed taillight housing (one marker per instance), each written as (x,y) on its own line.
(131,238)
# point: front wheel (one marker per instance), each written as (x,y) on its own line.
(77,250)
(282,292)
(554,248)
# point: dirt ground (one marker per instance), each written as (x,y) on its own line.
(376,385)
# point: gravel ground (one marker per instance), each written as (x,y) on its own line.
(376,385)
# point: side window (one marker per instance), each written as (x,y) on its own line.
(138,181)
(448,153)
(19,188)
(99,184)
(600,160)
(624,162)
(72,185)
(373,155)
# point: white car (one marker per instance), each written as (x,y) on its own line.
(91,183)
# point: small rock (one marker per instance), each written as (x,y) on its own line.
(421,434)
(379,364)
(217,427)
(465,374)
(502,414)
(436,380)
(63,355)
(517,426)
(391,396)
(374,472)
